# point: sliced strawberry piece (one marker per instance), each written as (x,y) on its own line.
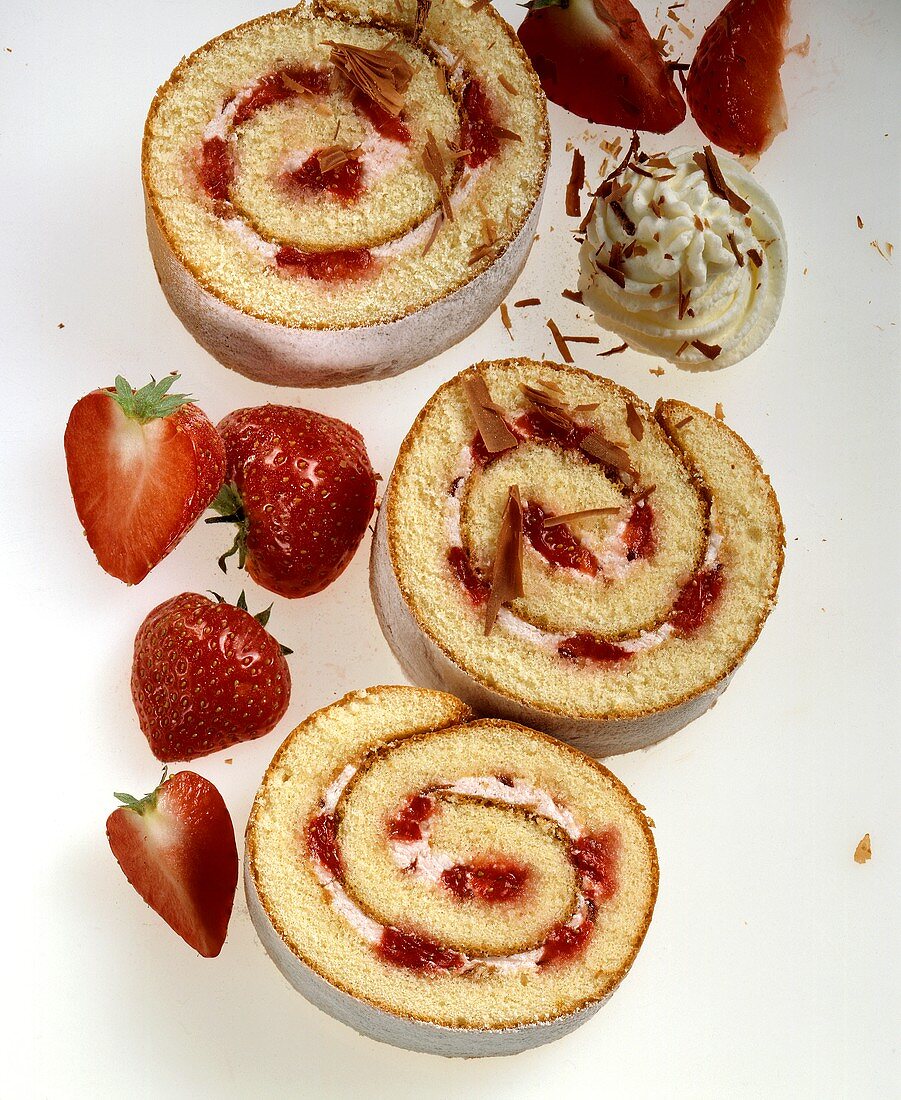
(143,466)
(734,89)
(300,489)
(206,675)
(597,59)
(176,847)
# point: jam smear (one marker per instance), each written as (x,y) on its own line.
(490,880)
(477,589)
(694,602)
(478,130)
(557,544)
(345,181)
(564,942)
(387,125)
(322,843)
(406,825)
(328,267)
(639,532)
(596,857)
(588,647)
(417,953)
(272,89)
(216,169)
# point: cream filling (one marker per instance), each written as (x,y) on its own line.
(418,857)
(734,305)
(612,557)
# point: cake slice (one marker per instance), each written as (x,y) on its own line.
(450,885)
(553,551)
(340,191)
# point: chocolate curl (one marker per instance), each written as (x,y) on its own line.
(506,573)
(491,425)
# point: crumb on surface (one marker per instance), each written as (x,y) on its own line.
(864,849)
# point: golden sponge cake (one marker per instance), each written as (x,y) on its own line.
(552,550)
(451,885)
(340,191)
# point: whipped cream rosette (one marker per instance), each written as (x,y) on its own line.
(684,258)
(451,885)
(340,191)
(554,551)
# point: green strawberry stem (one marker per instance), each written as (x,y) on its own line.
(230,507)
(262,617)
(148,802)
(152,401)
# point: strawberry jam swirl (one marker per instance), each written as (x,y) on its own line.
(343,176)
(630,539)
(490,879)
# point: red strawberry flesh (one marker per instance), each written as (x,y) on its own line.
(733,87)
(177,849)
(598,60)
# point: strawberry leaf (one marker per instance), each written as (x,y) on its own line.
(151,402)
(148,802)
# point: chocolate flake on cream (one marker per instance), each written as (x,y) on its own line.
(575,185)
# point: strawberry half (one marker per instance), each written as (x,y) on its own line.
(300,487)
(733,87)
(176,847)
(597,59)
(206,675)
(143,465)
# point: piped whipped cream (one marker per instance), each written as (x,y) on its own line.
(680,248)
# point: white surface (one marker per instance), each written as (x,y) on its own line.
(771,966)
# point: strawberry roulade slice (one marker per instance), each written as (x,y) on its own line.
(553,551)
(339,192)
(450,885)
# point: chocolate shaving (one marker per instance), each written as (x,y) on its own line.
(584,513)
(573,295)
(422,14)
(613,351)
(586,406)
(527,302)
(634,145)
(718,412)
(608,453)
(656,291)
(381,74)
(505,318)
(859,222)
(582,339)
(589,214)
(681,348)
(616,256)
(617,276)
(709,351)
(755,257)
(559,341)
(335,156)
(709,165)
(490,422)
(435,230)
(681,424)
(624,220)
(634,421)
(575,185)
(506,85)
(683,298)
(660,161)
(643,494)
(739,259)
(505,134)
(433,162)
(506,572)
(641,171)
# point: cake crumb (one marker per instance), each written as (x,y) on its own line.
(864,850)
(658,371)
(229,760)
(718,411)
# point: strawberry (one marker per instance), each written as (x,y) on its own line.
(143,466)
(176,847)
(301,490)
(597,59)
(733,87)
(206,675)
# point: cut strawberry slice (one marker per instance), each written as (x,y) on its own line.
(143,466)
(176,847)
(597,59)
(734,89)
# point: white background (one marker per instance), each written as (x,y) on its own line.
(771,966)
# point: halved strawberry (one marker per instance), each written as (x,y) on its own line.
(597,59)
(176,846)
(143,466)
(733,88)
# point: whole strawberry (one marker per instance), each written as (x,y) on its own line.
(143,466)
(301,490)
(205,676)
(176,847)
